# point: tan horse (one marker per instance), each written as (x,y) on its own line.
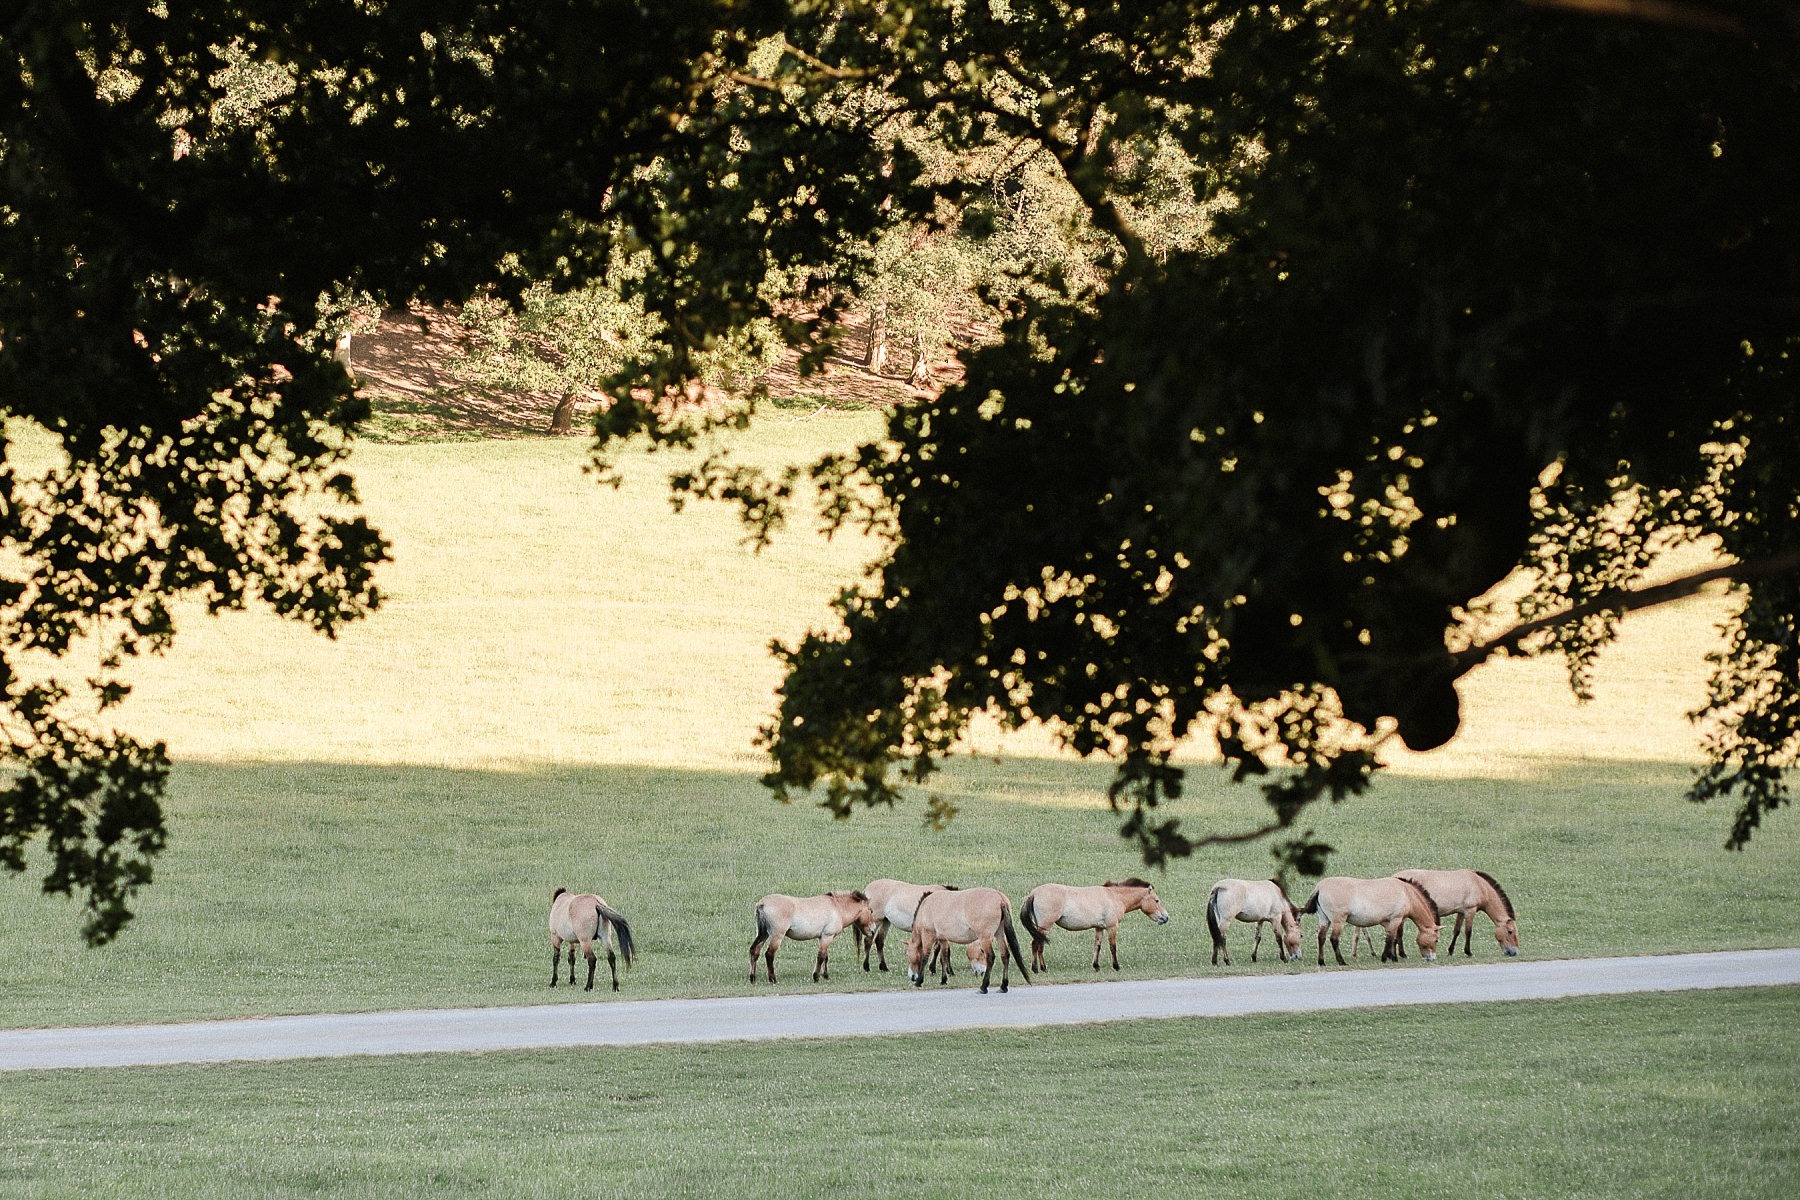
(1466,893)
(807,918)
(586,919)
(1259,901)
(1097,908)
(1389,903)
(978,918)
(894,902)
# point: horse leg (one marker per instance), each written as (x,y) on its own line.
(587,952)
(1465,925)
(823,965)
(1324,928)
(612,964)
(1337,932)
(555,957)
(1005,954)
(987,961)
(1257,944)
(1394,949)
(769,956)
(1039,940)
(755,949)
(571,964)
(1098,934)
(1112,942)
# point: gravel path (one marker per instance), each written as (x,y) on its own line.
(611,1022)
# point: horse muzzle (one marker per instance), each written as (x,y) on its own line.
(1429,955)
(1512,951)
(1162,918)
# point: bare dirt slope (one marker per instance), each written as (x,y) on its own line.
(408,366)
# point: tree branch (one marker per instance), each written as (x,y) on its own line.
(1624,600)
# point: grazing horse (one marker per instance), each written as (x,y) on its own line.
(977,918)
(806,918)
(894,903)
(1389,903)
(586,919)
(1097,908)
(1466,893)
(1261,902)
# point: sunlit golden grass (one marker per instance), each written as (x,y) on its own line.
(532,616)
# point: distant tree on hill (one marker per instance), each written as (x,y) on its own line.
(1370,306)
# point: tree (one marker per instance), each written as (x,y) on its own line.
(193,194)
(1490,289)
(1383,302)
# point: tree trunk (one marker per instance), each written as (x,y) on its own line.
(921,369)
(563,419)
(341,354)
(875,357)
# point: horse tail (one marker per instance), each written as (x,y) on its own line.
(1012,941)
(1212,917)
(1028,914)
(763,927)
(627,947)
(1312,902)
(556,893)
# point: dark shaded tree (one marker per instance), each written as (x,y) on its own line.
(1494,288)
(191,191)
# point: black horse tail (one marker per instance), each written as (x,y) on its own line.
(627,947)
(1012,941)
(1028,915)
(1212,919)
(1312,902)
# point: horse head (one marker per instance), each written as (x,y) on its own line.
(1506,932)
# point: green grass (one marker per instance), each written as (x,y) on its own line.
(300,888)
(1689,1095)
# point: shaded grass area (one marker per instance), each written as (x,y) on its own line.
(306,888)
(1686,1095)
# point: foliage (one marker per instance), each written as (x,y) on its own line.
(1488,290)
(1447,290)
(196,194)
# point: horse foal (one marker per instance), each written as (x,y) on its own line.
(804,919)
(586,919)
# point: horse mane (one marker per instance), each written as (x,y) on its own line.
(1430,902)
(858,896)
(1292,911)
(1134,881)
(1504,898)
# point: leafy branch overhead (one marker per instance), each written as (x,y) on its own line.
(1308,325)
(1484,289)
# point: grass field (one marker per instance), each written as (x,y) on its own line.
(1669,1096)
(562,690)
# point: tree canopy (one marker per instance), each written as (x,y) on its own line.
(1362,307)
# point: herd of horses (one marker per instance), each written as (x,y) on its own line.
(938,916)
